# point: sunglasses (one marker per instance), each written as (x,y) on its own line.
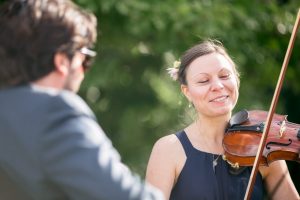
(89,57)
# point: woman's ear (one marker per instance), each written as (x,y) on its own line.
(61,63)
(185,91)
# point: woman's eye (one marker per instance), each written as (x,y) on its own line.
(225,76)
(203,81)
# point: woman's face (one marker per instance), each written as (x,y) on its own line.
(211,85)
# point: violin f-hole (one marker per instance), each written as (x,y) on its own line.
(278,143)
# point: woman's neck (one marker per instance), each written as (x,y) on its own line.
(207,133)
(212,128)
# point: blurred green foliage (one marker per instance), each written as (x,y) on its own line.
(128,89)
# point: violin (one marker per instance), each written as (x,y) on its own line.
(283,142)
(244,133)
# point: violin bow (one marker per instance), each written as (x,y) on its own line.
(272,110)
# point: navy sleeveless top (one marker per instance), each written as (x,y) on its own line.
(200,180)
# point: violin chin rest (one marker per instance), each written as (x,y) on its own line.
(239,118)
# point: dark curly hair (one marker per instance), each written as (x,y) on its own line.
(32,31)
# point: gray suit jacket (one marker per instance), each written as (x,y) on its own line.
(51,147)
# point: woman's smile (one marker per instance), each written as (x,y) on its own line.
(222,98)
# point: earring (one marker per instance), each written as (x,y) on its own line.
(190,104)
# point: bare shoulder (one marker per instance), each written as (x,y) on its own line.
(168,140)
(168,149)
(167,144)
(163,163)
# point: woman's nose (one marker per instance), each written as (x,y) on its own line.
(217,85)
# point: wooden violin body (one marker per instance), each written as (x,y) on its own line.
(283,141)
(242,138)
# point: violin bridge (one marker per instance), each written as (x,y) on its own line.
(282,128)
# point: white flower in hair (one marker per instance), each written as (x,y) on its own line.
(173,71)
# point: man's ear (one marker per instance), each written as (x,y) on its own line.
(186,92)
(61,63)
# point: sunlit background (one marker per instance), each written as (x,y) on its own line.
(136,102)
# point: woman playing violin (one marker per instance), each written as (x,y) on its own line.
(188,165)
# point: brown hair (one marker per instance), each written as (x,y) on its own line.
(201,49)
(32,31)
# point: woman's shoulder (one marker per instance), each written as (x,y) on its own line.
(170,140)
(168,144)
